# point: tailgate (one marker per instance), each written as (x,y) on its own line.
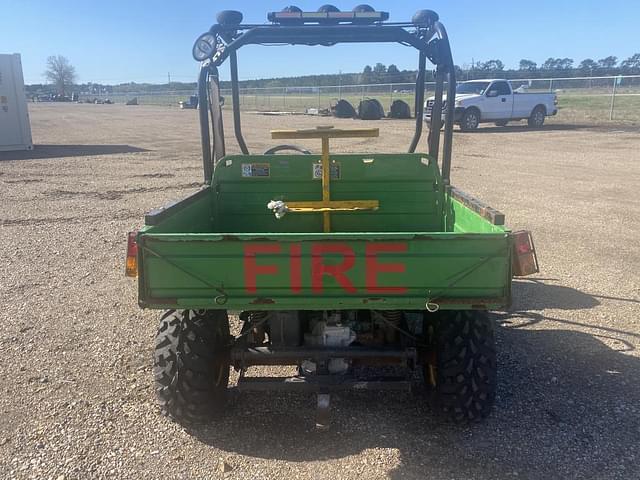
(324,271)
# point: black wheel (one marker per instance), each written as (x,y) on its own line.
(229,17)
(502,123)
(462,377)
(191,364)
(470,120)
(536,120)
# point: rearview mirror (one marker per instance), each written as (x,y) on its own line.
(492,93)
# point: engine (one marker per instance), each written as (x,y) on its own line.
(331,329)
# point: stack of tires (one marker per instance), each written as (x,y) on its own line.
(370,109)
(343,109)
(399,109)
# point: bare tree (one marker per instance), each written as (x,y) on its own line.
(60,72)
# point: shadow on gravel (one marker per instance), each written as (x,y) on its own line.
(41,152)
(568,406)
(538,295)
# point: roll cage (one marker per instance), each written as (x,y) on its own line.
(429,38)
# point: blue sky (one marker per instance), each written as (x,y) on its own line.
(120,41)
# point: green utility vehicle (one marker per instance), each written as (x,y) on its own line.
(335,264)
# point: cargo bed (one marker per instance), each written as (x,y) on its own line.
(426,245)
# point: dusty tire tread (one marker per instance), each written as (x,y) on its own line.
(466,366)
(188,345)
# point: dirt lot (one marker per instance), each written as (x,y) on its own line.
(77,399)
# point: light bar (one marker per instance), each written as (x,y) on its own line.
(329,17)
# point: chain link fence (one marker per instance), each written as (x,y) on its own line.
(583,99)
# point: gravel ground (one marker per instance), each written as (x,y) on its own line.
(77,400)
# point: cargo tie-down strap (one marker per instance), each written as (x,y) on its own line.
(326,205)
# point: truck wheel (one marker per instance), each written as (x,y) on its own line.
(502,123)
(470,120)
(191,364)
(465,366)
(536,120)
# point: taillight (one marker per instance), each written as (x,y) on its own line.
(131,269)
(525,260)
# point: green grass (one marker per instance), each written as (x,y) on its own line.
(592,109)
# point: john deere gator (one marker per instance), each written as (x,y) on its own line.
(339,265)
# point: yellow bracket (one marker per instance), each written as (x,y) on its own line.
(326,205)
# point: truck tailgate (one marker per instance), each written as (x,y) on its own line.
(324,271)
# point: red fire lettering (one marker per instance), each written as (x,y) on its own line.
(252,270)
(319,268)
(374,268)
(295,272)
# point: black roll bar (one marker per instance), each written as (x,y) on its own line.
(431,41)
(203,113)
(235,96)
(419,103)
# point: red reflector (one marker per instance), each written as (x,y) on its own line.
(525,260)
(131,269)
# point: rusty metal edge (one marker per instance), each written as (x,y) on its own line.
(481,208)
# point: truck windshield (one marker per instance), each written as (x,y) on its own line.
(477,88)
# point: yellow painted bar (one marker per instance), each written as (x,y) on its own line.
(325,132)
(326,205)
(326,181)
(333,206)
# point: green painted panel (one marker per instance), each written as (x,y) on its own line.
(431,266)
(420,245)
(405,185)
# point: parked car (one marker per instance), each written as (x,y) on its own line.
(493,100)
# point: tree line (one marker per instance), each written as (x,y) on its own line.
(61,75)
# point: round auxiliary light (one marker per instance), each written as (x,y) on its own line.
(204,47)
(425,17)
(292,9)
(364,8)
(328,8)
(229,17)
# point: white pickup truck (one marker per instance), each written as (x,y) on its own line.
(493,100)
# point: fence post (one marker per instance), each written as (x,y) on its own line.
(362,93)
(284,97)
(390,95)
(613,97)
(318,97)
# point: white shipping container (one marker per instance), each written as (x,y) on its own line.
(15,129)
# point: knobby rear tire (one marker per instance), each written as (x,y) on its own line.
(191,364)
(465,369)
